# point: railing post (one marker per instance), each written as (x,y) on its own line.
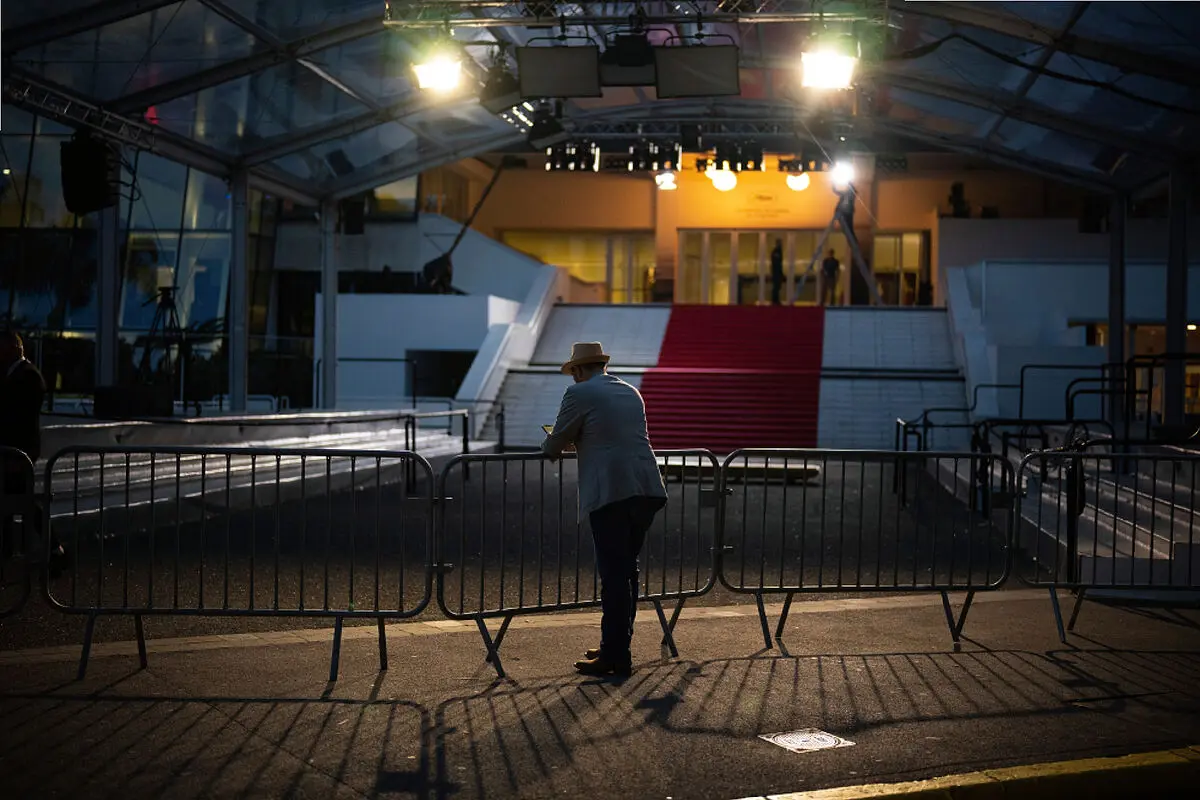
(500,422)
(1075,504)
(466,444)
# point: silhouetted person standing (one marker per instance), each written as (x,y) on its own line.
(830,270)
(22,392)
(620,489)
(777,277)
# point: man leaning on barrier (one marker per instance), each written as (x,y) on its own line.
(620,488)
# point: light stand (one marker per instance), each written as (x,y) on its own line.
(165,333)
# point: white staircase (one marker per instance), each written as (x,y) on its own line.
(883,363)
(530,396)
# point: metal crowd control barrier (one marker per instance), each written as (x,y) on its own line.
(799,521)
(510,540)
(1107,522)
(19,516)
(227,531)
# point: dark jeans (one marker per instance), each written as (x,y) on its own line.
(777,281)
(619,530)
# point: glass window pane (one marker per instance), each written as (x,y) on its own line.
(398,198)
(146,254)
(77,289)
(886,256)
(206,205)
(201,278)
(158,194)
(45,207)
(376,65)
(14,172)
(293,19)
(343,156)
(689,268)
(911,257)
(43,261)
(584,256)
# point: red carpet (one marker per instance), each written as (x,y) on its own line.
(736,376)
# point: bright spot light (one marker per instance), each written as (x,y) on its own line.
(798,183)
(1191,327)
(439,74)
(723,180)
(827,69)
(7,171)
(842,174)
(665,181)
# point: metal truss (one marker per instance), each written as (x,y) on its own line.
(669,128)
(495,13)
(49,101)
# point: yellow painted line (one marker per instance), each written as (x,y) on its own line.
(439,627)
(1153,774)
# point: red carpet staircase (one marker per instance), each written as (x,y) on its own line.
(736,376)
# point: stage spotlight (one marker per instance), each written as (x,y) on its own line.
(723,180)
(666,181)
(842,175)
(829,62)
(440,70)
(798,182)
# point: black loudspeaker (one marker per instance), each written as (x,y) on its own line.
(91,174)
(132,402)
(353,213)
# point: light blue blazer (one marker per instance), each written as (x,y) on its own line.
(605,418)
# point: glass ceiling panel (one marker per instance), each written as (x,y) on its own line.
(375,66)
(1049,146)
(19,14)
(958,60)
(1051,16)
(344,156)
(1105,107)
(970,120)
(295,19)
(1165,29)
(238,115)
(467,120)
(142,51)
(915,117)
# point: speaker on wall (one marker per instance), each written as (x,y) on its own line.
(91,173)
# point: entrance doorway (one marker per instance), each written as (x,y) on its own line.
(733,267)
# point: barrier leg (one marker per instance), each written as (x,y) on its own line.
(668,626)
(383,664)
(493,646)
(762,618)
(669,631)
(141,640)
(1075,610)
(88,630)
(335,658)
(787,607)
(956,623)
(1058,620)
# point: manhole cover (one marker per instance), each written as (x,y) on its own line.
(806,740)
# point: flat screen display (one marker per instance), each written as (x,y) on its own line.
(697,71)
(559,71)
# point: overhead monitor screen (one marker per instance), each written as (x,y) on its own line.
(559,71)
(697,71)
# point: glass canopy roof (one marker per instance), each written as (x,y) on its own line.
(314,99)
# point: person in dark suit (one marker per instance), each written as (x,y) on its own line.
(22,392)
(777,276)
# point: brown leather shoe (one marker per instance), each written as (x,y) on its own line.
(600,666)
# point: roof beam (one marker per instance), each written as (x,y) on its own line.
(365,180)
(240,68)
(288,143)
(977,16)
(80,21)
(1020,109)
(998,155)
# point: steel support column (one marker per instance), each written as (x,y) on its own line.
(1177,278)
(1116,302)
(108,296)
(329,296)
(238,324)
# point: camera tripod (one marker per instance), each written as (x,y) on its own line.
(165,333)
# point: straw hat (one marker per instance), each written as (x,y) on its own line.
(585,353)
